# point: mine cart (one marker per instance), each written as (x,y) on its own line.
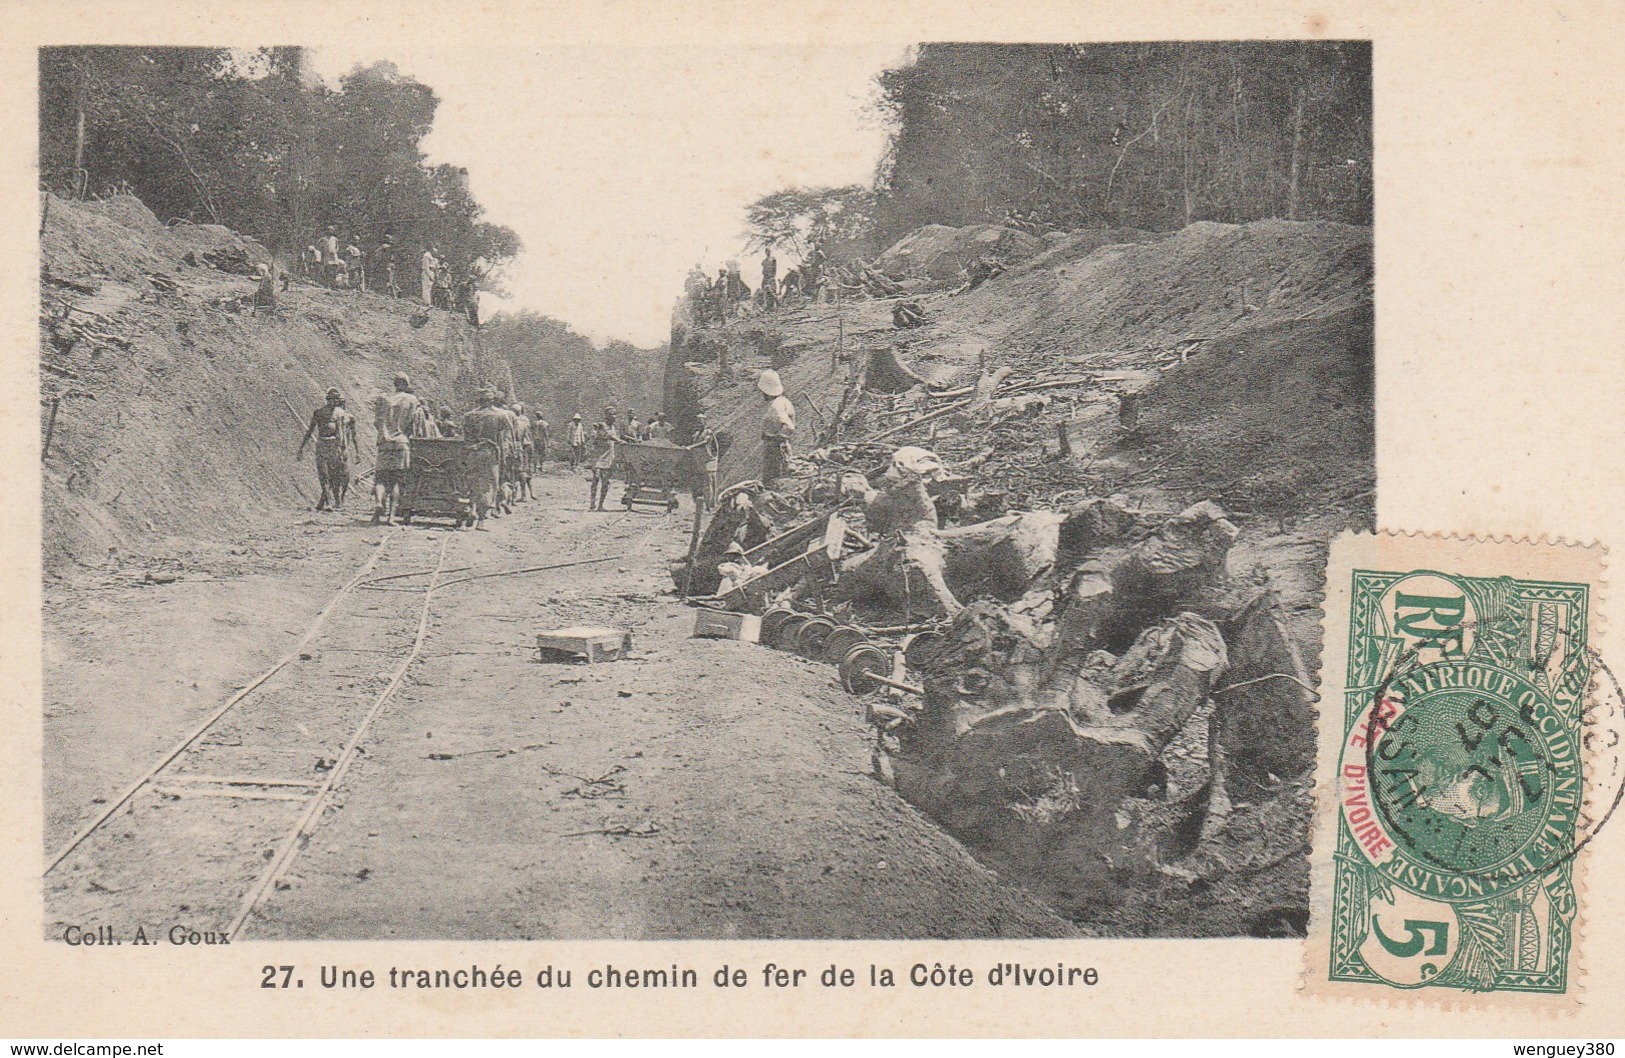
(655,473)
(437,482)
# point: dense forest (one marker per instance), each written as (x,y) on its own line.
(1059,137)
(255,141)
(562,372)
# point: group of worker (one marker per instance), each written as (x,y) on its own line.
(508,445)
(348,267)
(715,301)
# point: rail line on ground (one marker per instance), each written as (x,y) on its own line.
(213,718)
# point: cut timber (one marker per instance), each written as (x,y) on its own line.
(1037,770)
(889,373)
(237,795)
(594,643)
(930,572)
(225,780)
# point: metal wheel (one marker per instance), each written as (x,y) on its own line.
(841,641)
(919,648)
(771,620)
(784,637)
(861,664)
(810,640)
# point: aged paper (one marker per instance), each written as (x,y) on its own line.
(823,884)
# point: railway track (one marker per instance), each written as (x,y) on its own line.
(199,840)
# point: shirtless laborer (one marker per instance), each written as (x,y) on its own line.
(527,451)
(398,416)
(334,429)
(486,432)
(600,458)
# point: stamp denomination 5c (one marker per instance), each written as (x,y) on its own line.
(1461,774)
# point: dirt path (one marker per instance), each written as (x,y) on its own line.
(696,789)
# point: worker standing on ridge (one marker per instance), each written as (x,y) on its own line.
(770,279)
(265,290)
(332,263)
(354,266)
(398,416)
(575,435)
(441,297)
(334,430)
(428,267)
(778,424)
(383,265)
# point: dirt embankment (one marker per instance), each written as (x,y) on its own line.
(177,412)
(1218,363)
(1284,306)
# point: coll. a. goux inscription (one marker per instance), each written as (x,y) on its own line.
(1460,782)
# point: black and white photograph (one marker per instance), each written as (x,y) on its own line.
(818,492)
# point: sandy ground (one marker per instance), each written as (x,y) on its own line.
(697,788)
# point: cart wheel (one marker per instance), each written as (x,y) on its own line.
(918,648)
(771,622)
(840,643)
(810,640)
(784,636)
(861,664)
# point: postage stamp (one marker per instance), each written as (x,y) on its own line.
(1469,753)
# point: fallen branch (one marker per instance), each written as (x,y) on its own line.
(620,830)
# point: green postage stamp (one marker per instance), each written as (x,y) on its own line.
(1469,752)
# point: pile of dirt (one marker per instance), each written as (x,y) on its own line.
(172,411)
(1275,420)
(939,252)
(121,238)
(1061,247)
(1227,364)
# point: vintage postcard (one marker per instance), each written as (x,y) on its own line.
(631,519)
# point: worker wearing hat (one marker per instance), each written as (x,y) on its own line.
(334,430)
(575,436)
(778,424)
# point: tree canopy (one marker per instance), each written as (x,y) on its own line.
(254,141)
(1145,135)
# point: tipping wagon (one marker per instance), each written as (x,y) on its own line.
(438,482)
(655,473)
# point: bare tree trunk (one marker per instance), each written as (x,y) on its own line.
(1296,167)
(1190,157)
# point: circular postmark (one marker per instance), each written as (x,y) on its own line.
(1475,779)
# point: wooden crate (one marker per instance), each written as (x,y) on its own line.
(591,642)
(720,624)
